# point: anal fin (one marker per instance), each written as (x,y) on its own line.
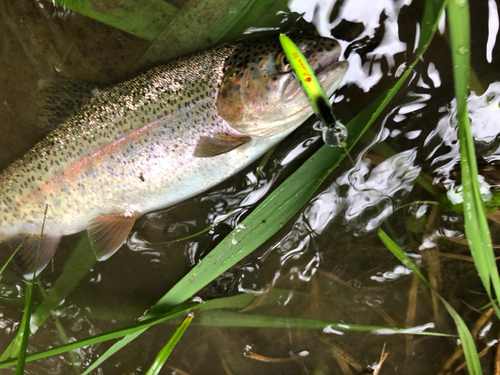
(107,233)
(26,257)
(208,146)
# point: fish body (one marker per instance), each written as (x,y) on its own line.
(157,139)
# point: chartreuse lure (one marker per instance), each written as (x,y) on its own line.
(334,132)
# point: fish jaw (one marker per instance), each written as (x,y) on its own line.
(331,77)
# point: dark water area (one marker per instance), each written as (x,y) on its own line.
(327,263)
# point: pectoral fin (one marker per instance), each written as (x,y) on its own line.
(208,146)
(108,233)
(26,257)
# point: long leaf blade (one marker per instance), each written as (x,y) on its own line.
(25,321)
(476,225)
(164,353)
(143,18)
(221,318)
(469,347)
(24,327)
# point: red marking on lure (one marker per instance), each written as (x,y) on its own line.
(303,71)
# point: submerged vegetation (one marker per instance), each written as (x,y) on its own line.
(263,221)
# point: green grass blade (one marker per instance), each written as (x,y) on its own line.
(164,353)
(216,22)
(218,318)
(104,336)
(241,301)
(214,313)
(468,345)
(476,225)
(143,18)
(115,348)
(74,270)
(401,255)
(284,202)
(81,261)
(24,328)
(235,302)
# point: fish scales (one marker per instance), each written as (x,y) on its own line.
(156,139)
(106,147)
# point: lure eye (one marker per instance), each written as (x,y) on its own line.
(282,63)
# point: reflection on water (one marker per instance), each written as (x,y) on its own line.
(373,188)
(327,262)
(484,113)
(492,28)
(396,273)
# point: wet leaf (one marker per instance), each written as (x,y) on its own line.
(216,23)
(476,225)
(164,353)
(214,314)
(143,18)
(170,28)
(81,261)
(24,327)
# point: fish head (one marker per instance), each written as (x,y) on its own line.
(261,96)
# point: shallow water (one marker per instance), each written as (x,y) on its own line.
(327,262)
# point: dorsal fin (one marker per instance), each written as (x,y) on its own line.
(26,257)
(107,233)
(208,146)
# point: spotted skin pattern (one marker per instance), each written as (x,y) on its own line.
(130,148)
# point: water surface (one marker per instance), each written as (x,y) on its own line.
(327,262)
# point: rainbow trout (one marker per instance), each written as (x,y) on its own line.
(155,140)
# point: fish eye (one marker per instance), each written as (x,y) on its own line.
(282,63)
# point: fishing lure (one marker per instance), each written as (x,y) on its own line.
(334,132)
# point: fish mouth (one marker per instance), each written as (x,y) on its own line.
(328,60)
(323,55)
(329,70)
(330,74)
